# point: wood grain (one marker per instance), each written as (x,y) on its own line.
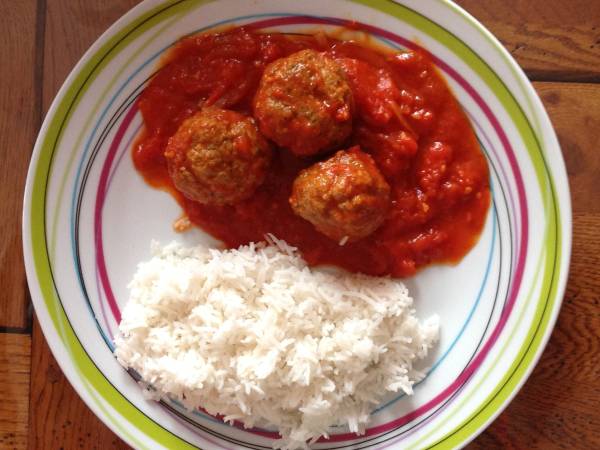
(15,352)
(71,27)
(574,109)
(18,121)
(551,39)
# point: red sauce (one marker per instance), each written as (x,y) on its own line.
(406,117)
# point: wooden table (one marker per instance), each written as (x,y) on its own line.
(558,45)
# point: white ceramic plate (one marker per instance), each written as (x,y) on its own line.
(89,218)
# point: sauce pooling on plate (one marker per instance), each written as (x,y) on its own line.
(403,115)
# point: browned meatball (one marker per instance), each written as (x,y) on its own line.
(344,197)
(217,157)
(304,103)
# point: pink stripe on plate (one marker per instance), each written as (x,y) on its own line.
(100,197)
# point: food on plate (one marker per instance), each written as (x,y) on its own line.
(254,335)
(345,197)
(304,103)
(217,157)
(313,95)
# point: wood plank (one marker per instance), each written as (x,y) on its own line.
(557,407)
(551,39)
(15,352)
(574,110)
(18,125)
(58,417)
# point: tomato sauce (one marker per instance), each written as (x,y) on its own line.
(405,117)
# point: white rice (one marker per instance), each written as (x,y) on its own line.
(255,335)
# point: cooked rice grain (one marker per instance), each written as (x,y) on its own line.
(255,335)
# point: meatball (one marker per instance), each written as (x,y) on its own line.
(304,103)
(344,197)
(217,157)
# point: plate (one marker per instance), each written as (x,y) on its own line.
(88,219)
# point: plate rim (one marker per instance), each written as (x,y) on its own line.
(51,334)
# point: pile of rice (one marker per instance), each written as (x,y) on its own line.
(255,335)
